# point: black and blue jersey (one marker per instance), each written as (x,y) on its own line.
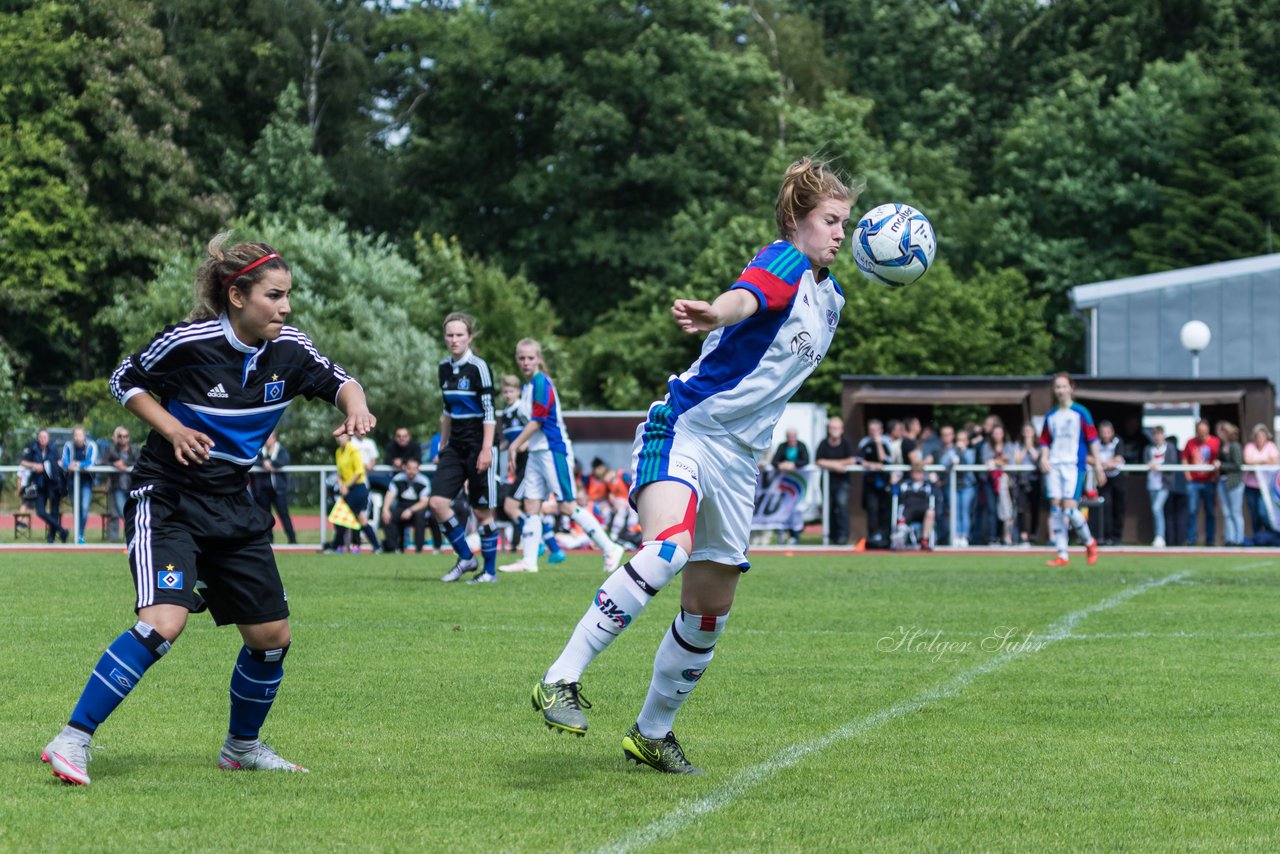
(467,386)
(234,393)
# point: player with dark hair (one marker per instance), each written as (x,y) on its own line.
(695,462)
(196,537)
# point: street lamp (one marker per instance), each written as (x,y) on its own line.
(1195,337)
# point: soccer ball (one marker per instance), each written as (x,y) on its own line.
(893,244)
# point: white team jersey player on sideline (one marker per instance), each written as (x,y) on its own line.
(1069,437)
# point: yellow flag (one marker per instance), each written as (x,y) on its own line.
(341,515)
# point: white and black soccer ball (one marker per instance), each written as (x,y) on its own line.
(893,244)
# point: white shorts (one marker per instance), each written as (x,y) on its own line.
(1064,481)
(547,473)
(721,472)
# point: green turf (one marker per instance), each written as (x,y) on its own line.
(1148,727)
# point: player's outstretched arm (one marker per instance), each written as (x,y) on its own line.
(359,420)
(189,445)
(730,307)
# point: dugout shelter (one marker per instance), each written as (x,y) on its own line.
(1021,399)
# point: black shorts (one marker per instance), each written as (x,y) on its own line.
(179,540)
(455,468)
(915,515)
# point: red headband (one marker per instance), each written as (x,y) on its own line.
(238,273)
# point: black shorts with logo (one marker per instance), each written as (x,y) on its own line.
(185,547)
(456,467)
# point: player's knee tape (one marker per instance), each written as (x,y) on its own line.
(150,638)
(685,525)
(653,567)
(1076,517)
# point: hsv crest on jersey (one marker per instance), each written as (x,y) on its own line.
(273,392)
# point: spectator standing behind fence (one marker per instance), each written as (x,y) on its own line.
(121,456)
(77,456)
(1202,486)
(1111,457)
(960,454)
(791,455)
(1175,510)
(401,449)
(836,453)
(46,476)
(271,485)
(998,452)
(874,452)
(1029,484)
(1261,451)
(406,505)
(1231,483)
(1159,483)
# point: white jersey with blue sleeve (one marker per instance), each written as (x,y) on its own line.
(1067,433)
(747,372)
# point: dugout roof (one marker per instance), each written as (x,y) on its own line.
(1017,399)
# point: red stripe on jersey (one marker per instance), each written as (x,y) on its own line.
(777,293)
(1090,432)
(1045,437)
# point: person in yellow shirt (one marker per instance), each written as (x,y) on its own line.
(354,487)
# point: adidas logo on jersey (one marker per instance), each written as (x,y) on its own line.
(217,391)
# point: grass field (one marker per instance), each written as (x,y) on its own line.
(855,703)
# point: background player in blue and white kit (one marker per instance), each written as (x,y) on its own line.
(1070,437)
(466,450)
(222,378)
(695,461)
(548,471)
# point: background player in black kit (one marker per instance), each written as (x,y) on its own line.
(466,455)
(223,378)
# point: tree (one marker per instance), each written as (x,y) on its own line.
(561,139)
(1223,196)
(1076,173)
(46,218)
(283,176)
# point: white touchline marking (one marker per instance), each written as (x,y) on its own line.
(1258,565)
(687,812)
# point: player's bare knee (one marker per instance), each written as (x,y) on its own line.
(168,620)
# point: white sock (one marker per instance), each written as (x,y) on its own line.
(591,527)
(619,601)
(1081,526)
(530,539)
(1058,526)
(682,658)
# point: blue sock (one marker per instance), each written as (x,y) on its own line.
(457,536)
(489,547)
(254,683)
(549,535)
(119,669)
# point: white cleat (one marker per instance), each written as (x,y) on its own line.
(257,758)
(483,578)
(460,568)
(68,759)
(518,566)
(613,557)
